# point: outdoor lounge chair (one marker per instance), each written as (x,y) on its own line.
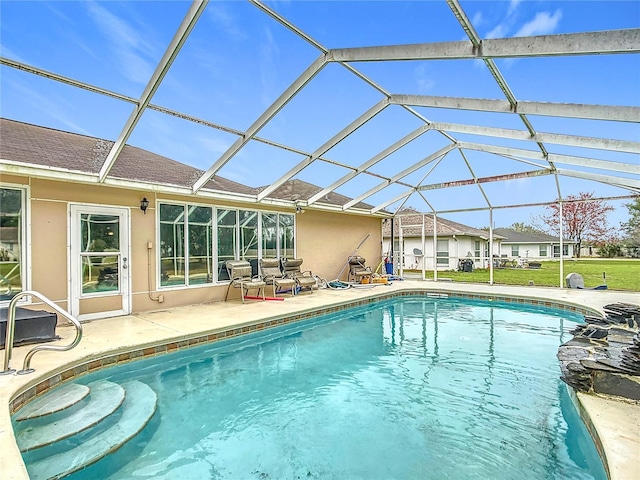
(270,271)
(240,275)
(358,270)
(306,279)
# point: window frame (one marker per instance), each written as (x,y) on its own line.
(440,259)
(24,238)
(217,270)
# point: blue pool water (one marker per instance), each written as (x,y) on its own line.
(413,388)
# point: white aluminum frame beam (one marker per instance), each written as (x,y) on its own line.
(183,32)
(608,42)
(60,78)
(617,113)
(479,180)
(554,157)
(92,88)
(393,200)
(554,138)
(473,174)
(377,158)
(621,182)
(425,161)
(557,139)
(328,145)
(466,24)
(293,89)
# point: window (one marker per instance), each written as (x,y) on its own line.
(515,250)
(187,250)
(12,235)
(477,248)
(442,253)
(285,223)
(226,240)
(277,235)
(99,253)
(269,235)
(543,250)
(200,244)
(172,245)
(565,250)
(248,235)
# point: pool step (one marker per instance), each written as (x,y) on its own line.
(103,436)
(105,399)
(62,398)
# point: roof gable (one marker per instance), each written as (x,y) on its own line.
(412,226)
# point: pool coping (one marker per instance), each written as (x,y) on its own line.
(69,369)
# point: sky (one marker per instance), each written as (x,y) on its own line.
(238,60)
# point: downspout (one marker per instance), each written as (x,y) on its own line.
(424,273)
(401,245)
(435,249)
(561,247)
(393,222)
(490,246)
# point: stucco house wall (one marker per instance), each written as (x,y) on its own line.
(50,178)
(323,239)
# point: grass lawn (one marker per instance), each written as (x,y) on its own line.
(621,274)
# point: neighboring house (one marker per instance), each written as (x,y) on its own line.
(9,243)
(532,246)
(90,247)
(453,242)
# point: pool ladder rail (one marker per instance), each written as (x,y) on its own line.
(11,322)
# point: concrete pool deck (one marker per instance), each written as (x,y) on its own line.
(616,421)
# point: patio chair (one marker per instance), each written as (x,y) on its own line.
(240,275)
(306,279)
(358,270)
(272,275)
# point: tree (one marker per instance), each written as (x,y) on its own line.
(632,227)
(524,228)
(583,219)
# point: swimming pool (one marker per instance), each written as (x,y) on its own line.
(403,388)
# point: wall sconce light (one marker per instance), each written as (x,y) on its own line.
(144,204)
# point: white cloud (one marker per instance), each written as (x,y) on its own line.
(513,6)
(56,107)
(224,19)
(499,31)
(213,145)
(477,19)
(542,24)
(128,47)
(9,53)
(423,80)
(268,50)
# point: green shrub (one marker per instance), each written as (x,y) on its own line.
(610,250)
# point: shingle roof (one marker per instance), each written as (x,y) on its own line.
(412,227)
(47,147)
(300,190)
(512,236)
